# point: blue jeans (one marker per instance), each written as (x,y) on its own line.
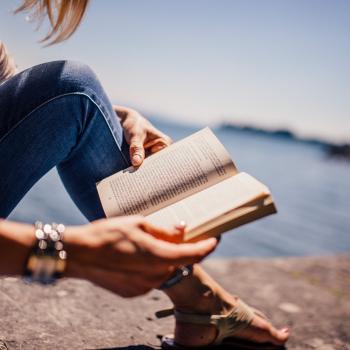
(57,114)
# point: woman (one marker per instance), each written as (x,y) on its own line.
(57,114)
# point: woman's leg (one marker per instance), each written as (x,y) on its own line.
(57,114)
(200,294)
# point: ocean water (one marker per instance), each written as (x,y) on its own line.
(312,193)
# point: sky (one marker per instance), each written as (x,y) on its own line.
(270,63)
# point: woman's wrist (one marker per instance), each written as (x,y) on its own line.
(71,239)
(76,240)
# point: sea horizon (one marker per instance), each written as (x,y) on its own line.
(311,191)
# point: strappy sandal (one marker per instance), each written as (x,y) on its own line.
(227,326)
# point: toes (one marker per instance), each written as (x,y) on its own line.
(263,331)
(279,336)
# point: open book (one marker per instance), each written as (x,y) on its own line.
(193,180)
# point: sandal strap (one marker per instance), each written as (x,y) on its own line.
(238,319)
(227,325)
(165,313)
(195,318)
(170,311)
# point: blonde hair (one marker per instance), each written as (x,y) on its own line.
(7,65)
(64,16)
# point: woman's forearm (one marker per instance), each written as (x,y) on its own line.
(16,241)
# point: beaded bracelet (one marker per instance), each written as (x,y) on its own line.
(47,259)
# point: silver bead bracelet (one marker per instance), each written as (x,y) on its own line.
(47,260)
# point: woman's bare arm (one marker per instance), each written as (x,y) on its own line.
(126,255)
(16,241)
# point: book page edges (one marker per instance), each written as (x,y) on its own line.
(249,212)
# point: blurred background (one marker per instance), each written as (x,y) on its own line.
(272,78)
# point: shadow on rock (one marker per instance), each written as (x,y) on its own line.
(145,347)
(131,347)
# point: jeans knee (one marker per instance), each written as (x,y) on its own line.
(78,77)
(64,77)
(37,86)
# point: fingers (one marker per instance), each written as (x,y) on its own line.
(179,254)
(146,138)
(131,255)
(137,151)
(159,242)
(187,254)
(157,148)
(174,236)
(158,143)
(181,226)
(140,135)
(137,245)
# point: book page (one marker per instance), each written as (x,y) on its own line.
(210,204)
(182,169)
(242,215)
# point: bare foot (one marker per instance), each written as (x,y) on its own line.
(200,294)
(260,331)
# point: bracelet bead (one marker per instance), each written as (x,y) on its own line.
(47,260)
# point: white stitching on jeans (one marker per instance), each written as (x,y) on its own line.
(68,94)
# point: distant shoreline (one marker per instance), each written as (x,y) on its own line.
(332,149)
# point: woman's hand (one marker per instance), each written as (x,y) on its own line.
(140,134)
(127,255)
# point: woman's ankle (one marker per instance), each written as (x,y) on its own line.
(199,293)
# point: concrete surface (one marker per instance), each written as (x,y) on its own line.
(310,295)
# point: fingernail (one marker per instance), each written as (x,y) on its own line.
(136,159)
(158,148)
(212,240)
(285,330)
(182,223)
(181,226)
